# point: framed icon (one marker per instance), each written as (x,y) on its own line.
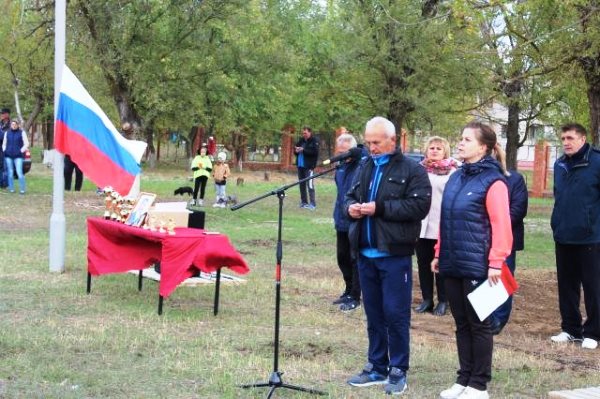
(140,209)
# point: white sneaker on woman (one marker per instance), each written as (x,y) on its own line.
(472,393)
(453,392)
(589,343)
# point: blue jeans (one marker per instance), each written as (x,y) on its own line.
(503,312)
(12,165)
(220,191)
(386,285)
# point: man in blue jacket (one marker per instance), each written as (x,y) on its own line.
(388,199)
(576,227)
(344,176)
(307,153)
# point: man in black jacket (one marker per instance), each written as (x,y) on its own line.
(307,152)
(391,195)
(4,126)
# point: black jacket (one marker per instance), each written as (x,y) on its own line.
(403,199)
(518,198)
(311,151)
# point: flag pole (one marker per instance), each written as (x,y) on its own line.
(57,219)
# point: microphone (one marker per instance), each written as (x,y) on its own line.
(354,153)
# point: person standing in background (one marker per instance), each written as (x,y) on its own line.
(344,176)
(576,227)
(4,126)
(307,153)
(518,198)
(14,145)
(220,173)
(439,167)
(201,166)
(69,168)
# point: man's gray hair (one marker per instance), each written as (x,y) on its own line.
(346,138)
(389,128)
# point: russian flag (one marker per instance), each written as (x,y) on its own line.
(83,131)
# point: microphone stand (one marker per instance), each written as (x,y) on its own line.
(275,380)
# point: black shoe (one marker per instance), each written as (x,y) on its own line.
(350,305)
(425,306)
(345,297)
(440,309)
(496,326)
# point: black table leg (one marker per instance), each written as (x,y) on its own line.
(140,276)
(89,282)
(160,303)
(217,286)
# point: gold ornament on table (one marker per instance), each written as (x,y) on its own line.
(171,227)
(162,224)
(152,223)
(108,190)
(114,199)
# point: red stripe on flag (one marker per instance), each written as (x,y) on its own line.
(509,282)
(96,165)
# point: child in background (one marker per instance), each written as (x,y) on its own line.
(220,173)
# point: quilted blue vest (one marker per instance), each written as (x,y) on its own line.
(465,228)
(14,142)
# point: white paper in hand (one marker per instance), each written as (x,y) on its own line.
(486,298)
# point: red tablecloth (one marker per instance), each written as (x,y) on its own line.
(115,248)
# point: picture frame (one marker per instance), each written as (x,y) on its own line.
(140,209)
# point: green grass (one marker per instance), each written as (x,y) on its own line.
(58,342)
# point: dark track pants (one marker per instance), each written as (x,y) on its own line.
(303,173)
(577,266)
(200,184)
(387,287)
(347,266)
(425,253)
(474,339)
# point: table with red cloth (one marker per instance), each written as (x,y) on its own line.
(116,248)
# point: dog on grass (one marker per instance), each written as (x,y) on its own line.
(184,190)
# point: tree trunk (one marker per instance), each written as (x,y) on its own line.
(594,99)
(512,135)
(591,69)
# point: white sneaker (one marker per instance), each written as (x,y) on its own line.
(563,337)
(472,393)
(589,343)
(216,205)
(199,202)
(453,393)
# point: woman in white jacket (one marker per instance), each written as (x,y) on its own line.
(439,167)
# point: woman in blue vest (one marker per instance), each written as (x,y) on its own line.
(14,145)
(475,239)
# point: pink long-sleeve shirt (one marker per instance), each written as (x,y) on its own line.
(498,209)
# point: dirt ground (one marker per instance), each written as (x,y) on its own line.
(534,319)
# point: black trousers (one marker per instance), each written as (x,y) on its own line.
(303,173)
(200,184)
(425,253)
(579,266)
(69,168)
(347,265)
(474,339)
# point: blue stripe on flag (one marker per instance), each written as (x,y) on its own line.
(81,119)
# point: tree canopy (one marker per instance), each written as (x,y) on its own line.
(256,66)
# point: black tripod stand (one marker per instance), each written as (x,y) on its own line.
(275,381)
